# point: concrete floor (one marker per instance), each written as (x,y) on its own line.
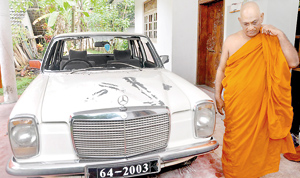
(205,166)
(5,151)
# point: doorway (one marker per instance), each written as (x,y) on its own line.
(210,40)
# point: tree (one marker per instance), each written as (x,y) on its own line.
(101,15)
(108,16)
(58,14)
(63,16)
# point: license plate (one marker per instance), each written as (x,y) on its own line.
(128,170)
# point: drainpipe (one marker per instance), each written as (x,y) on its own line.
(6,56)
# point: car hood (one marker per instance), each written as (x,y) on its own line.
(67,93)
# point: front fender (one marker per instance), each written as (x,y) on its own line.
(31,100)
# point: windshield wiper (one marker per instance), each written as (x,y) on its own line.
(89,68)
(122,63)
(108,67)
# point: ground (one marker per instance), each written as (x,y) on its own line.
(205,166)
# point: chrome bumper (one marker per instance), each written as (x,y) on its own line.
(77,167)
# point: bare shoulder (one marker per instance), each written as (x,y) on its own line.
(232,39)
(227,49)
(234,42)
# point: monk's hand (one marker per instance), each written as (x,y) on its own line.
(270,30)
(220,105)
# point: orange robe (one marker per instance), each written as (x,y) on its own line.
(258,109)
(293,157)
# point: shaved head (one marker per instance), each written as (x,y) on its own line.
(249,8)
(251,19)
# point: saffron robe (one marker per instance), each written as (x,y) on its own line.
(293,157)
(258,109)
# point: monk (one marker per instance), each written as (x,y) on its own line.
(254,71)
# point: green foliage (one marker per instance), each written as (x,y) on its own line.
(111,17)
(120,44)
(89,15)
(19,5)
(22,84)
(100,15)
(19,34)
(52,18)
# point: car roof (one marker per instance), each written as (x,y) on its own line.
(79,34)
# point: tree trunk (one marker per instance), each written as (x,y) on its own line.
(73,19)
(6,56)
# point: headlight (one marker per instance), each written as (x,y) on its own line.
(23,136)
(205,119)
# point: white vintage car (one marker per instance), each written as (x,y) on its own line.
(104,106)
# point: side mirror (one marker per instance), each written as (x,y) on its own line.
(35,63)
(164,58)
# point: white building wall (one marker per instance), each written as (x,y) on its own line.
(139,16)
(281,14)
(130,29)
(185,28)
(177,34)
(163,44)
(178,27)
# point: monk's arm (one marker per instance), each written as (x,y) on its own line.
(287,48)
(219,77)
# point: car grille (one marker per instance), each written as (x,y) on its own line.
(119,138)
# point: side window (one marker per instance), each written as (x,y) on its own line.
(52,56)
(149,53)
(136,49)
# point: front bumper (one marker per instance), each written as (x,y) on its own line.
(78,167)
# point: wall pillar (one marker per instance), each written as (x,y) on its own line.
(6,55)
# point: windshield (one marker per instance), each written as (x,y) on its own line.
(101,53)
